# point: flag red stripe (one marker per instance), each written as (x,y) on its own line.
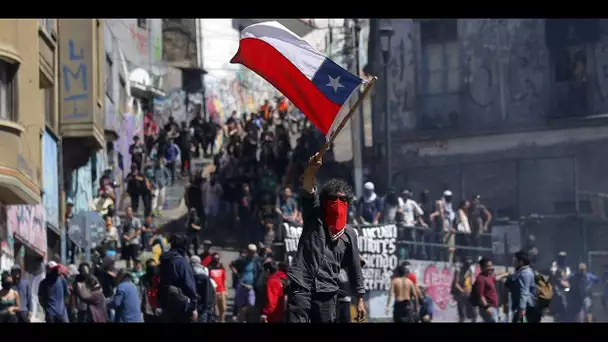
(269,63)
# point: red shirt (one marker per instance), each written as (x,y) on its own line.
(219,277)
(411,276)
(275,305)
(487,288)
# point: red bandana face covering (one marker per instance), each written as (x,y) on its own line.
(335,214)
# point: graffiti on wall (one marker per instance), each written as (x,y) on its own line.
(27,223)
(50,180)
(377,247)
(174,104)
(75,83)
(437,277)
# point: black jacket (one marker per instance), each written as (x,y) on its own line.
(176,272)
(318,261)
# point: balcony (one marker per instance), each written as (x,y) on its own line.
(80,96)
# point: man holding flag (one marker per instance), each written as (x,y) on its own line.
(319,88)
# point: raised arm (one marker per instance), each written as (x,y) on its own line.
(309,195)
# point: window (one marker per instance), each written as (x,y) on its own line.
(109,79)
(49,109)
(142,23)
(8,91)
(48,25)
(440,57)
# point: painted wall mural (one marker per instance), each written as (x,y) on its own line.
(50,180)
(27,223)
(437,277)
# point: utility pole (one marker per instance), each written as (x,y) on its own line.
(357,119)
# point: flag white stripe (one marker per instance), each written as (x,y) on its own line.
(289,44)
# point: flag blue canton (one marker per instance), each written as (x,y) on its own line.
(334,82)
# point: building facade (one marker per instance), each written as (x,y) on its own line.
(29,133)
(81,107)
(510,109)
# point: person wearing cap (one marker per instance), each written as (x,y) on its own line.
(205,289)
(24,289)
(327,244)
(52,293)
(447,205)
(248,269)
(369,205)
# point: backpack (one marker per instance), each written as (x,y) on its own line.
(544,289)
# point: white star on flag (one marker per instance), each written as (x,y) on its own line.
(334,83)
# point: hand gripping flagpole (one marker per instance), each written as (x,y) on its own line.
(335,133)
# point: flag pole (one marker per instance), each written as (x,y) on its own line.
(347,117)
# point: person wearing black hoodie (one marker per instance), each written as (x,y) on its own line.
(177,288)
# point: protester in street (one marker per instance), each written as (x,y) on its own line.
(147,232)
(137,152)
(126,302)
(52,293)
(326,244)
(77,304)
(160,180)
(287,207)
(102,203)
(131,238)
(90,293)
(172,155)
(177,289)
(486,293)
(412,218)
(479,220)
(184,141)
(193,229)
(111,239)
(427,307)
(344,298)
(405,294)
(274,310)
(206,255)
(218,275)
(24,289)
(248,269)
(205,291)
(10,301)
(462,226)
(137,188)
(148,292)
(580,294)
(369,205)
(523,291)
(137,272)
(462,284)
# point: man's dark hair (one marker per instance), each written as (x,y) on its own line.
(523,257)
(178,241)
(483,261)
(334,186)
(270,266)
(124,274)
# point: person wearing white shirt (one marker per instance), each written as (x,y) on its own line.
(412,214)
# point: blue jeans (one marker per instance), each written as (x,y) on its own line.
(489,315)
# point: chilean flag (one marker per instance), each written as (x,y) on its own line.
(314,83)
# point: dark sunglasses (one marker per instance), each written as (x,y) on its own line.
(340,198)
